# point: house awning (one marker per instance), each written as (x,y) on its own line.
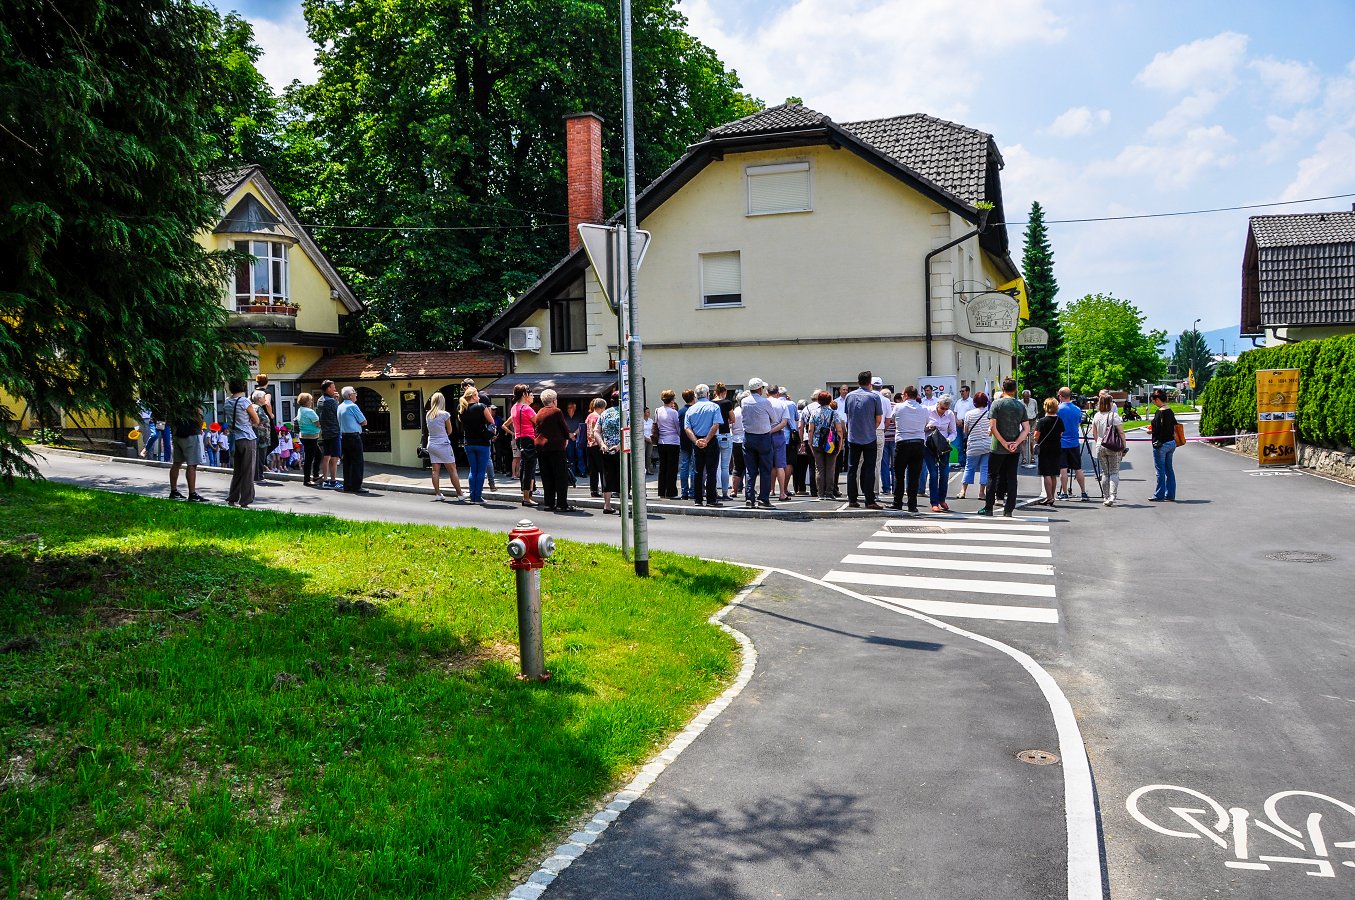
(566,384)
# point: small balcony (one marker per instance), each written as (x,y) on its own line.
(264,312)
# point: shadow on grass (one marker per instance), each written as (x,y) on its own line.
(676,848)
(202,712)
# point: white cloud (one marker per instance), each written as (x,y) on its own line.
(1078,120)
(1326,171)
(1290,82)
(855,59)
(1185,114)
(1208,62)
(288,52)
(1175,165)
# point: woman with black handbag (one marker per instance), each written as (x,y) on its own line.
(1048,449)
(1108,430)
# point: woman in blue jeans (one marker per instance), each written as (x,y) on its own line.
(1164,446)
(477,425)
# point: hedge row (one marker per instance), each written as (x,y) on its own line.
(1326,415)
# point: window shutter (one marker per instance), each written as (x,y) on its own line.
(721,278)
(778,189)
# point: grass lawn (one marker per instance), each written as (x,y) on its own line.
(208,702)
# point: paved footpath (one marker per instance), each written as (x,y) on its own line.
(871,755)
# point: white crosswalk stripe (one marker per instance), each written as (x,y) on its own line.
(951,567)
(969,549)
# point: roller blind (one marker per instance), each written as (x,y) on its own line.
(778,189)
(721,279)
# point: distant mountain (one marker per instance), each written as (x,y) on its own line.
(1233,344)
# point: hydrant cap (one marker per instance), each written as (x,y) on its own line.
(545,545)
(517,549)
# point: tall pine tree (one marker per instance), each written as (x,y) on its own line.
(1039,372)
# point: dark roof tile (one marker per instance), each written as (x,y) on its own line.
(953,157)
(786,117)
(1304,228)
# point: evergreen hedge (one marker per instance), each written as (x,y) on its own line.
(1326,415)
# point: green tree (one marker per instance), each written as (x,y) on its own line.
(1224,369)
(1106,346)
(449,116)
(241,114)
(106,300)
(1192,353)
(1041,369)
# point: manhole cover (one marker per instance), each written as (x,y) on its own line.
(1303,556)
(919,529)
(1037,757)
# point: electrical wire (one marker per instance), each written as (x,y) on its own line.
(1187,212)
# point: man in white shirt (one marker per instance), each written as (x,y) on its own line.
(929,396)
(910,425)
(962,405)
(1032,413)
(761,419)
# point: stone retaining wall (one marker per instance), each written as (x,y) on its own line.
(1322,460)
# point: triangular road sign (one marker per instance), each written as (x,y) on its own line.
(605,246)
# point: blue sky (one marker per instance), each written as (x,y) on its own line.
(1100,109)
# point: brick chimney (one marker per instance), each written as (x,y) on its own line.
(583,171)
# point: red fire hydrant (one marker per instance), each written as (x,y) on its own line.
(529,548)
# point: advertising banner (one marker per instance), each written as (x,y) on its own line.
(1277,406)
(940,384)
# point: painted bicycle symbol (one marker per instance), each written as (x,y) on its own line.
(1305,820)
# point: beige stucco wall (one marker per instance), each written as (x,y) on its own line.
(1276,337)
(406,442)
(826,292)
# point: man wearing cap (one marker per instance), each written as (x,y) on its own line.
(331,445)
(761,419)
(863,416)
(702,424)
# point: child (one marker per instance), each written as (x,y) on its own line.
(283,451)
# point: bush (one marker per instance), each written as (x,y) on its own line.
(1326,414)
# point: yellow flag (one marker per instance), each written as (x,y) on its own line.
(1019,285)
(1191,380)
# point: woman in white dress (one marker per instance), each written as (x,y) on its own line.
(440,445)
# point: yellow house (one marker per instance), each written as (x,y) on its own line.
(793,248)
(289,293)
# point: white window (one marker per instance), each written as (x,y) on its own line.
(782,188)
(721,279)
(263,279)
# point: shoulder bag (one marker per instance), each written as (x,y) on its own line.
(1180,434)
(1114,439)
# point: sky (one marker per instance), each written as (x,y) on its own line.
(1100,109)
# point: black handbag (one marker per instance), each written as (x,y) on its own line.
(937,444)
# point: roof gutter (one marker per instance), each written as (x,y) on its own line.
(927,276)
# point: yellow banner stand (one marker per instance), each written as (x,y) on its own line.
(1277,406)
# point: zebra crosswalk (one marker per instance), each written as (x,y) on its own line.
(953,567)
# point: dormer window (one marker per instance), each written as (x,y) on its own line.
(262,279)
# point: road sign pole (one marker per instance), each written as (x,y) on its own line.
(633,343)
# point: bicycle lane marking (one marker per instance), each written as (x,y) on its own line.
(1230,826)
(1079,804)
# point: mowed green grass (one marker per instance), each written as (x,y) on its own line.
(207,702)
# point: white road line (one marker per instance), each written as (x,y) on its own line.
(1079,807)
(978,610)
(949,565)
(922,582)
(963,549)
(952,536)
(976,525)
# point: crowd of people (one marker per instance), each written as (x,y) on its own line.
(756,444)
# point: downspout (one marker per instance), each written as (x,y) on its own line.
(927,276)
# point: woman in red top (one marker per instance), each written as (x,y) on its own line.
(552,443)
(522,422)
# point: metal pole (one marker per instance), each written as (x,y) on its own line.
(614,281)
(529,624)
(637,402)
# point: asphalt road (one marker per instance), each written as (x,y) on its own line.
(1197,661)
(1210,680)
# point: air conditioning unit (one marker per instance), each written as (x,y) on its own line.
(524,339)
